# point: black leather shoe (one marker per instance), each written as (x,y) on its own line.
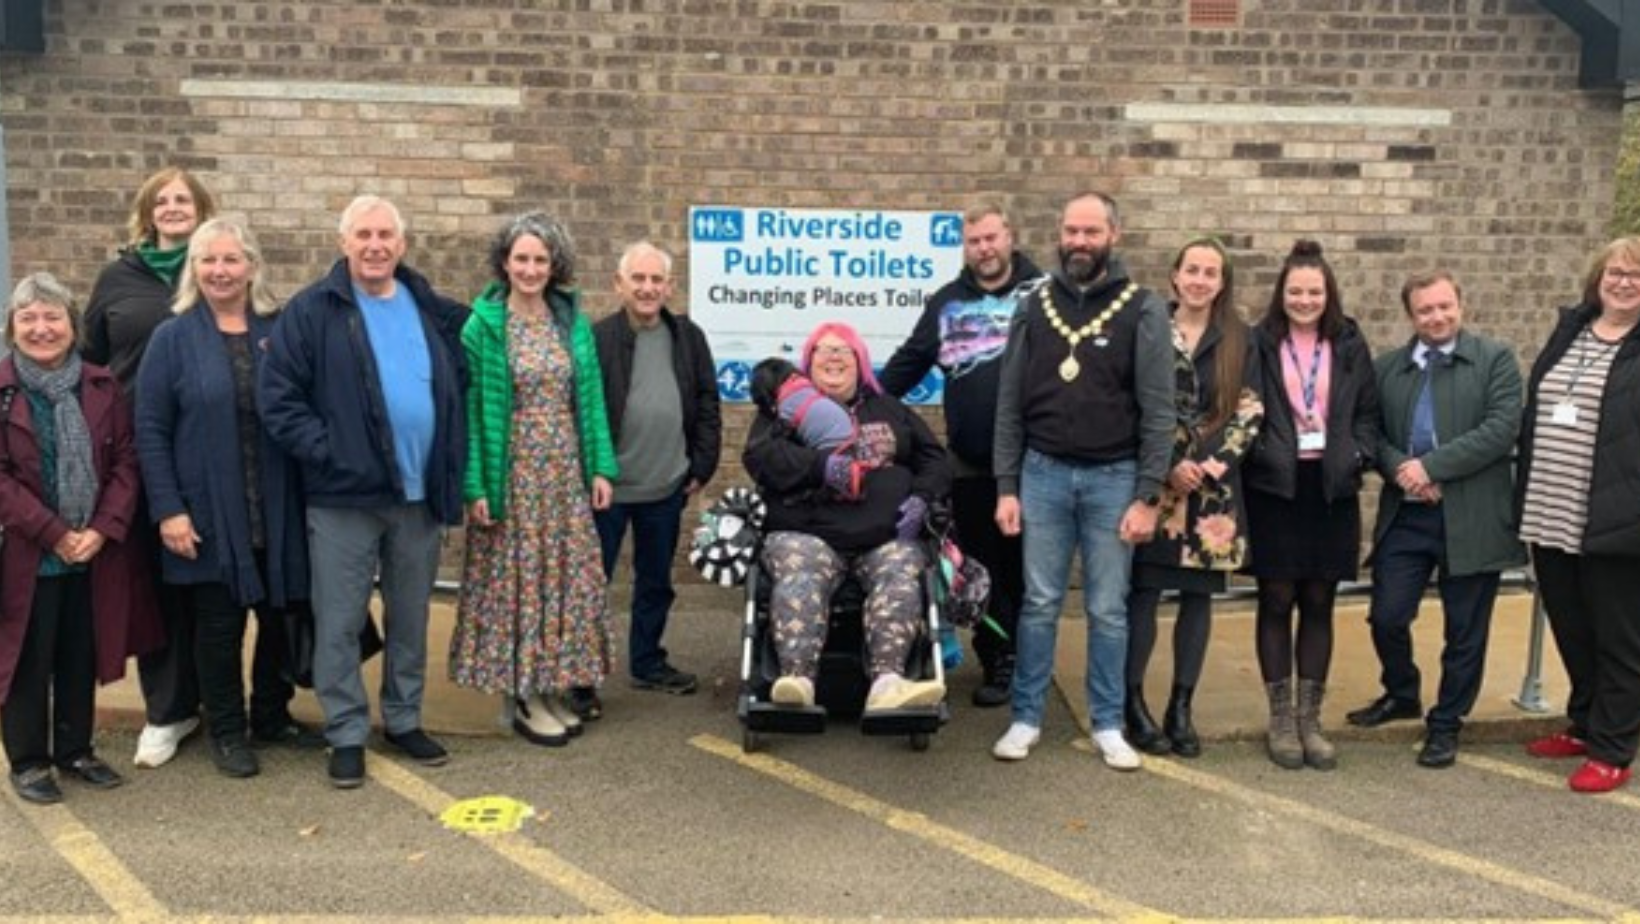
(1384,709)
(584,702)
(37,785)
(419,747)
(347,767)
(290,734)
(1141,729)
(234,758)
(93,772)
(1440,750)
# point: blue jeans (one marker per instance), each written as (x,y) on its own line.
(655,527)
(1067,506)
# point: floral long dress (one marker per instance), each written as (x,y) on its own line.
(531,617)
(1202,535)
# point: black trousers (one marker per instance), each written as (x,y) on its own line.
(49,712)
(974,507)
(1591,601)
(219,645)
(170,682)
(1412,549)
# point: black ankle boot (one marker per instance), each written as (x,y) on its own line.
(1142,731)
(1176,723)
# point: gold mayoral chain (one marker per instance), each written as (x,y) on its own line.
(1070,368)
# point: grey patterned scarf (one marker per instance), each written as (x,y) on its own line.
(76,478)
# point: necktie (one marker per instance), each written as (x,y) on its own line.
(1422,439)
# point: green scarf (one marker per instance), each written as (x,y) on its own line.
(166,264)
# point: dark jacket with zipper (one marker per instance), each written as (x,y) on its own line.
(1613,527)
(128,302)
(321,398)
(792,477)
(188,402)
(1352,421)
(697,385)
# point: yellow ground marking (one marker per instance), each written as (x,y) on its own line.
(1422,850)
(922,827)
(1544,778)
(757,919)
(543,864)
(81,849)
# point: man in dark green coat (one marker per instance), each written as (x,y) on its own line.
(1451,409)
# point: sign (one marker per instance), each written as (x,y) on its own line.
(760,279)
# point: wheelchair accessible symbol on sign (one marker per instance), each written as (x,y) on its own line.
(718,225)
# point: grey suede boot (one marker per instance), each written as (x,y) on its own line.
(1318,751)
(1285,750)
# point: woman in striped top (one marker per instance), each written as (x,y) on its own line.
(1580,513)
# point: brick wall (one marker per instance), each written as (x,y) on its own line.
(1400,133)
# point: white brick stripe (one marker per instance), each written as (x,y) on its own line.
(353,92)
(1248,114)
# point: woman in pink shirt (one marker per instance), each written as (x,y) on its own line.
(1302,479)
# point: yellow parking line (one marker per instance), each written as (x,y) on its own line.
(539,862)
(1542,778)
(81,849)
(1423,850)
(920,826)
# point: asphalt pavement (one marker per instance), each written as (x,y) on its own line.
(655,814)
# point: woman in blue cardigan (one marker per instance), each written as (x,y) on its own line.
(226,500)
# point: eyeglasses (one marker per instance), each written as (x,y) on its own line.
(831,352)
(1614,274)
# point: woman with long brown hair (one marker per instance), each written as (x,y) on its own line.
(1202,534)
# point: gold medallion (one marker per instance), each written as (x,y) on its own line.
(1070,368)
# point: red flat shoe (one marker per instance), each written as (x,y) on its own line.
(1557,745)
(1598,776)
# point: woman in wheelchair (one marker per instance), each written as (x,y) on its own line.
(857,509)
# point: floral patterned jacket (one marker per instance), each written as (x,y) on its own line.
(1206,528)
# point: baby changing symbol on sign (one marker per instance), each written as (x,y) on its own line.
(760,279)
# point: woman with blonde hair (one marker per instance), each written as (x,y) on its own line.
(132,297)
(230,519)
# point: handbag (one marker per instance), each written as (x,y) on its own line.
(301,636)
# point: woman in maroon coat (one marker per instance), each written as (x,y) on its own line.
(74,599)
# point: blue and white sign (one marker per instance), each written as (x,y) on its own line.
(760,279)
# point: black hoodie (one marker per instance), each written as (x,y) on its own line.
(963,329)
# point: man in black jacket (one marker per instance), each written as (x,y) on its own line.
(660,390)
(363,385)
(963,329)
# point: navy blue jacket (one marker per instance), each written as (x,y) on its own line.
(188,442)
(321,397)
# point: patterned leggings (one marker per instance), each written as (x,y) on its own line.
(807,572)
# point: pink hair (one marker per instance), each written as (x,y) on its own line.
(850,336)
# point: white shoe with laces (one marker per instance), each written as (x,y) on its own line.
(1016,742)
(1118,754)
(158,743)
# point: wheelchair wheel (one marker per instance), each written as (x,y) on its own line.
(750,741)
(919,741)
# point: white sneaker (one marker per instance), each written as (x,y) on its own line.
(792,691)
(1118,754)
(158,743)
(1016,742)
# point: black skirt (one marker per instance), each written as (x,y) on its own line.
(1305,538)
